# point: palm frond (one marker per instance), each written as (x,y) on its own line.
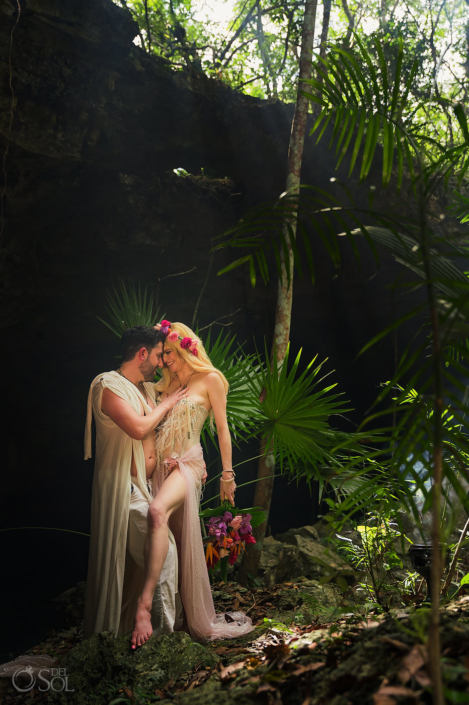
(129,305)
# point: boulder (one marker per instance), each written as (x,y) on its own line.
(279,562)
(298,553)
(308,532)
(71,605)
(99,666)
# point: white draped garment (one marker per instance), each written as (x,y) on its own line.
(114,579)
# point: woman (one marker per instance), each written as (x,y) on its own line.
(177,484)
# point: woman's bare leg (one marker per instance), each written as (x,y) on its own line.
(169,498)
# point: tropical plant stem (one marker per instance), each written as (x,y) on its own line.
(436,572)
(264,489)
(452,567)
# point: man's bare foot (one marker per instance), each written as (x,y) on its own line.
(142,630)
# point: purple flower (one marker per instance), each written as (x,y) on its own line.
(227,517)
(245,527)
(216,527)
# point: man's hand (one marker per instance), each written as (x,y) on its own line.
(174,397)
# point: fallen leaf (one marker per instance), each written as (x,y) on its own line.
(394,642)
(410,665)
(398,691)
(221,650)
(237,650)
(235,604)
(265,688)
(127,691)
(232,668)
(274,651)
(159,693)
(309,667)
(423,678)
(379,699)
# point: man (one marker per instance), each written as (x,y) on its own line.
(126,415)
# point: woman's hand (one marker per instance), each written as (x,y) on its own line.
(173,398)
(227,487)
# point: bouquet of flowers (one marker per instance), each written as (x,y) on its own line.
(229,531)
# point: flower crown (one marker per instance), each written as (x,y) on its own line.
(186,342)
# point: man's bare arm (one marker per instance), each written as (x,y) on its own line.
(135,426)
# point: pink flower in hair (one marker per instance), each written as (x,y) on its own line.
(186,343)
(172,337)
(165,327)
(193,347)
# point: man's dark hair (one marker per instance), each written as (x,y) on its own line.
(133,339)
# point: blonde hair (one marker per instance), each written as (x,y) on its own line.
(199,363)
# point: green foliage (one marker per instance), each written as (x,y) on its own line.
(294,416)
(257,513)
(241,371)
(127,306)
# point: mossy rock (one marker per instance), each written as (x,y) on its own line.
(100,665)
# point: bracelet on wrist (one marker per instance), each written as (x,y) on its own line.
(226,481)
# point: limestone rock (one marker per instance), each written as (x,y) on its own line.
(313,555)
(308,532)
(298,554)
(279,562)
(102,661)
(71,604)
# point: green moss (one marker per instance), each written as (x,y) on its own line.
(99,666)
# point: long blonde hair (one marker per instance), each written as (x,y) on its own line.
(199,363)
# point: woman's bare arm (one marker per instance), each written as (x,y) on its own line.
(217,396)
(135,426)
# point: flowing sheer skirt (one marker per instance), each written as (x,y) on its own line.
(195,589)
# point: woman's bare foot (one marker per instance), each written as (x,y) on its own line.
(142,630)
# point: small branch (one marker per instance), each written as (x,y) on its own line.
(178,274)
(452,568)
(240,29)
(217,320)
(194,317)
(251,80)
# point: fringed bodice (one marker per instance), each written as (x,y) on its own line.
(180,429)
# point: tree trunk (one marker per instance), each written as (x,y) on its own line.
(434,647)
(316,108)
(264,488)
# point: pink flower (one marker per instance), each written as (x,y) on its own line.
(193,347)
(236,523)
(185,343)
(165,327)
(248,538)
(172,337)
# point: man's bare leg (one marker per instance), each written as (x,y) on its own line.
(169,498)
